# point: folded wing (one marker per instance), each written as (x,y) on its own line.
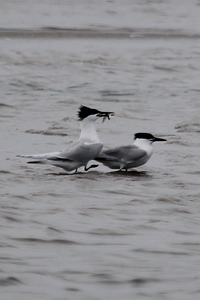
(124,154)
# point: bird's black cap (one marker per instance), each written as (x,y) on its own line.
(85,111)
(148,136)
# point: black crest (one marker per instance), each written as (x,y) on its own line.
(144,135)
(85,111)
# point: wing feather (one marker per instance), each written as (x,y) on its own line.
(81,152)
(124,154)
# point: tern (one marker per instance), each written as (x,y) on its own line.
(131,156)
(80,152)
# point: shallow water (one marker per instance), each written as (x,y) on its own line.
(101,234)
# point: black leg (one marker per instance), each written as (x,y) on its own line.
(91,167)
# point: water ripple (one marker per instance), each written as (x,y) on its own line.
(9,281)
(43,241)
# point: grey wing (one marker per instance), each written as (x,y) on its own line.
(125,154)
(81,152)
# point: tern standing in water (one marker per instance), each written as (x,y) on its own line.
(127,157)
(80,152)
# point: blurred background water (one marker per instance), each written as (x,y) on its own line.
(102,234)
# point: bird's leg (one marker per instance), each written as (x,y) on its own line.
(90,167)
(121,167)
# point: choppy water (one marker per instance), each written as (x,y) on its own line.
(100,235)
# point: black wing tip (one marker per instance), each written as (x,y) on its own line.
(100,158)
(61,159)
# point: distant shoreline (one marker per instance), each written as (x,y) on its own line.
(118,33)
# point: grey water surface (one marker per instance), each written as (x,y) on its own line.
(102,234)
